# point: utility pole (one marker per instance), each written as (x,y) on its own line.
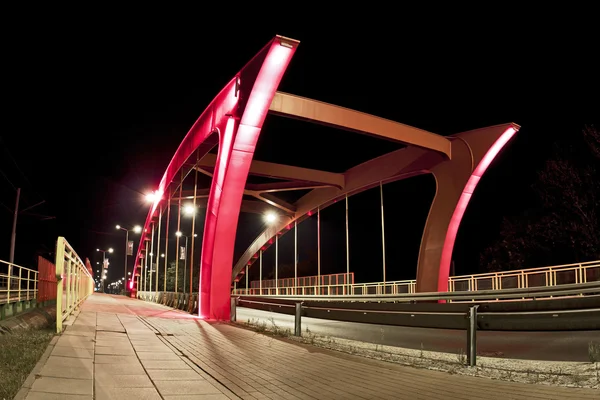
(13,237)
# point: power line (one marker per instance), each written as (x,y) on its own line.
(7,208)
(9,181)
(20,171)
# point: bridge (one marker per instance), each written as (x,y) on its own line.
(233,121)
(165,340)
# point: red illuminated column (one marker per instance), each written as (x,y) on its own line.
(456,179)
(212,213)
(236,149)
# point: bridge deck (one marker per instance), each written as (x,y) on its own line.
(121,348)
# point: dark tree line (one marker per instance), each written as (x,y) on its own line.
(564,227)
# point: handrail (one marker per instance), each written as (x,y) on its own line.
(536,269)
(521,293)
(74,283)
(18,287)
(577,273)
(554,314)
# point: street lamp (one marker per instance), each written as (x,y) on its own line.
(110,250)
(153,196)
(179,234)
(150,197)
(136,229)
(189,209)
(270,217)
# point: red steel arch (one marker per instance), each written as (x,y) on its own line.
(237,113)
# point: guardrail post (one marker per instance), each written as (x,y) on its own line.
(233,316)
(298,320)
(472,337)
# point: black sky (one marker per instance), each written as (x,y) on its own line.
(94,112)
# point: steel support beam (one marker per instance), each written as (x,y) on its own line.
(281,171)
(289,105)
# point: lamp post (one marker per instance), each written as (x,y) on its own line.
(179,234)
(271,218)
(136,229)
(110,250)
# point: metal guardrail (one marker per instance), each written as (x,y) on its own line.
(17,283)
(581,312)
(18,288)
(74,282)
(482,295)
(181,301)
(519,279)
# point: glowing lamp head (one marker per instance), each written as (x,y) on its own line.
(189,209)
(97,249)
(118,226)
(137,229)
(270,217)
(151,197)
(178,233)
(110,250)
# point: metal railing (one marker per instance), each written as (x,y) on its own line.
(404,310)
(520,279)
(534,293)
(74,282)
(181,301)
(527,278)
(17,283)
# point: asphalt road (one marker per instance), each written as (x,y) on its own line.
(547,346)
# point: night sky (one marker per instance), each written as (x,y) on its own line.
(96,116)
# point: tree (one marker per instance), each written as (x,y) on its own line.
(565,228)
(180,277)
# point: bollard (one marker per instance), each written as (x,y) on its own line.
(298,320)
(233,316)
(472,337)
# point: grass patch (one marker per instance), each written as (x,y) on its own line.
(19,352)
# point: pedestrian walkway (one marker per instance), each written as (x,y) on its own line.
(121,348)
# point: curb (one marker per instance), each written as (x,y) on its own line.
(34,318)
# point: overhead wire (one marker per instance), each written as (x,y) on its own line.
(20,171)
(8,180)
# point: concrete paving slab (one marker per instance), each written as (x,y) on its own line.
(113,393)
(185,388)
(120,369)
(154,348)
(107,359)
(115,350)
(67,351)
(198,397)
(173,375)
(55,396)
(67,367)
(76,341)
(63,386)
(123,381)
(157,364)
(159,356)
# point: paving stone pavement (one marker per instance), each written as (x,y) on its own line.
(121,348)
